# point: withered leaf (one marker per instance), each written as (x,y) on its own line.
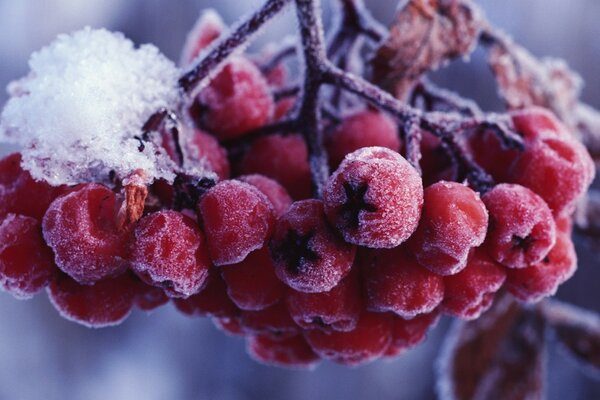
(578,330)
(498,356)
(424,35)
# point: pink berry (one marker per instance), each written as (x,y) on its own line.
(81,228)
(454,220)
(204,150)
(408,333)
(212,301)
(287,352)
(229,325)
(206,29)
(274,320)
(149,297)
(169,251)
(307,254)
(522,230)
(277,195)
(374,198)
(237,219)
(26,262)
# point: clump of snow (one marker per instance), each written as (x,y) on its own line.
(78,112)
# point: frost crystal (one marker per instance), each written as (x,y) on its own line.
(78,112)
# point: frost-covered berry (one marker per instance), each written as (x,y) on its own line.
(212,301)
(374,198)
(231,326)
(522,230)
(105,303)
(308,255)
(274,321)
(149,297)
(252,283)
(204,151)
(540,280)
(365,128)
(407,333)
(367,342)
(236,101)
(207,28)
(26,262)
(435,163)
(81,228)
(471,292)
(337,309)
(277,195)
(237,219)
(169,251)
(283,158)
(287,352)
(396,282)
(453,221)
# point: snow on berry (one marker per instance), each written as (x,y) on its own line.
(78,112)
(169,251)
(287,352)
(374,198)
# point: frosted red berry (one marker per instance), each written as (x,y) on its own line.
(169,251)
(453,221)
(274,320)
(277,195)
(337,309)
(308,255)
(395,282)
(211,301)
(26,262)
(204,151)
(471,292)
(149,297)
(252,283)
(367,342)
(105,303)
(237,219)
(229,325)
(283,158)
(365,128)
(208,27)
(522,230)
(287,352)
(81,228)
(436,163)
(408,333)
(374,198)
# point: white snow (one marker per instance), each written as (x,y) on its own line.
(87,96)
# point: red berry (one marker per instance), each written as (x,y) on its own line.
(435,162)
(307,254)
(540,280)
(374,198)
(277,195)
(287,352)
(169,251)
(522,230)
(278,79)
(283,158)
(396,282)
(26,262)
(81,228)
(487,150)
(204,150)
(407,333)
(108,302)
(149,297)
(366,343)
(229,325)
(237,220)
(337,309)
(274,320)
(365,128)
(212,301)
(236,101)
(252,284)
(454,220)
(208,27)
(471,292)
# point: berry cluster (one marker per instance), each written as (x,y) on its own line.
(362,272)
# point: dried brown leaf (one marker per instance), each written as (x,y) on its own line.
(498,356)
(424,35)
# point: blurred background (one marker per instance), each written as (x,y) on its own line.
(168,356)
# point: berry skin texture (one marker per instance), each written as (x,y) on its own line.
(365,128)
(453,221)
(169,251)
(283,158)
(408,333)
(212,301)
(522,230)
(540,280)
(81,229)
(26,262)
(204,150)
(277,195)
(395,282)
(288,352)
(106,303)
(236,101)
(308,255)
(471,292)
(374,198)
(337,309)
(237,219)
(252,284)
(364,344)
